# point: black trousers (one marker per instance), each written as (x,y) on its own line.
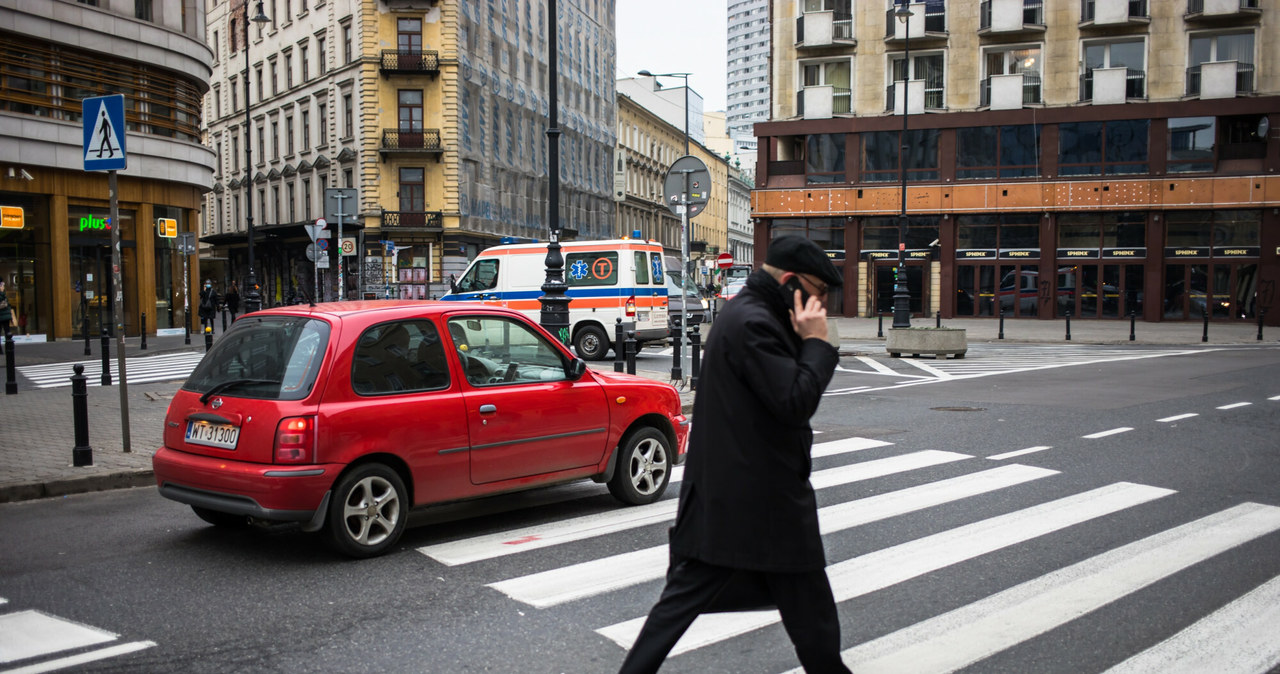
(803,599)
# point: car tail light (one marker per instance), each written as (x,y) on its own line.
(631,306)
(296,440)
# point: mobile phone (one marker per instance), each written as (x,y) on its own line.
(792,285)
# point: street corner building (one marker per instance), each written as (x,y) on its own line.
(1095,159)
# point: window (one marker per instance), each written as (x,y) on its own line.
(591,269)
(826,232)
(502,352)
(321,56)
(288,136)
(275,140)
(306,200)
(399,357)
(1020,231)
(880,155)
(927,67)
(409,35)
(1191,143)
(998,152)
(413,190)
(1096,231)
(235,154)
(1234,229)
(1236,47)
(835,74)
(1023,61)
(483,275)
(258,77)
(275,79)
(322,117)
(217,48)
(348,117)
(306,130)
(411,114)
(1243,137)
(1098,148)
(142,10)
(346,43)
(288,71)
(642,268)
(882,233)
(305,61)
(1128,54)
(824,158)
(291,204)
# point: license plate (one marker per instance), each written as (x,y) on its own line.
(212,435)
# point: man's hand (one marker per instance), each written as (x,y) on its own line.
(809,319)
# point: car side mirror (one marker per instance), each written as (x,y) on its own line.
(577,368)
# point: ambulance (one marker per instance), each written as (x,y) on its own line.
(607,280)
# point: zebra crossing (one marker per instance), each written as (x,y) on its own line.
(31,637)
(160,367)
(1238,637)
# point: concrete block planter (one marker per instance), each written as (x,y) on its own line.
(940,342)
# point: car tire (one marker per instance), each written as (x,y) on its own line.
(644,467)
(220,519)
(368,511)
(591,343)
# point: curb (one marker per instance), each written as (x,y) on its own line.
(65,487)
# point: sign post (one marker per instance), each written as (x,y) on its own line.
(335,206)
(313,231)
(104,150)
(686,190)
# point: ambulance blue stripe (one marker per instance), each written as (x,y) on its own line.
(572,292)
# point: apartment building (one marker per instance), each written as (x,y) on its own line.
(1091,158)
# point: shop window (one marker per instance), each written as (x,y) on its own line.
(1244,137)
(1191,144)
(998,152)
(881,152)
(882,233)
(824,158)
(1103,148)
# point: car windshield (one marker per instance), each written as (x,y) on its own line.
(270,357)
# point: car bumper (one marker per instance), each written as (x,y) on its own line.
(264,491)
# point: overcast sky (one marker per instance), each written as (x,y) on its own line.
(666,36)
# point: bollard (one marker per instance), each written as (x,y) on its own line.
(1205,337)
(619,358)
(1068,324)
(1001,336)
(937,315)
(10,372)
(676,372)
(82,453)
(695,346)
(880,325)
(186,329)
(224,318)
(1133,322)
(631,352)
(85,331)
(144,332)
(208,337)
(106,358)
(1260,315)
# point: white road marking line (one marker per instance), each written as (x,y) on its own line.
(938,374)
(1103,434)
(598,576)
(1274,398)
(884,568)
(1238,638)
(971,633)
(1178,417)
(881,368)
(1020,452)
(73,660)
(512,541)
(28,634)
(1232,406)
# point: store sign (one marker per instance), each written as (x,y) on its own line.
(91,223)
(1187,251)
(1121,253)
(1237,251)
(1020,254)
(976,254)
(881,255)
(1078,253)
(11,217)
(167,228)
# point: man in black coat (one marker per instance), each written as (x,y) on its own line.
(746,533)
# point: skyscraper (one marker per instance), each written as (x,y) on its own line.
(747,98)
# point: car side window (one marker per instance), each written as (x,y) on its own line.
(399,357)
(496,351)
(483,275)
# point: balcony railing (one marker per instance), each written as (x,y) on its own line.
(412,220)
(1032,13)
(1137,9)
(935,19)
(1197,6)
(1244,79)
(1031,90)
(841,101)
(1135,85)
(411,140)
(932,98)
(410,61)
(841,28)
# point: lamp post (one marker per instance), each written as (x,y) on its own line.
(901,297)
(252,298)
(554,301)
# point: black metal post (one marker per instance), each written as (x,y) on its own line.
(252,298)
(676,373)
(10,371)
(224,318)
(85,331)
(937,315)
(1205,337)
(1133,324)
(554,302)
(879,325)
(619,335)
(631,352)
(143,346)
(1260,315)
(82,453)
(106,358)
(186,328)
(208,338)
(695,355)
(901,294)
(1001,335)
(1068,324)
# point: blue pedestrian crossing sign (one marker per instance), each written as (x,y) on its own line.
(104,133)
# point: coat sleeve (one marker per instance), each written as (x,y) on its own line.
(788,384)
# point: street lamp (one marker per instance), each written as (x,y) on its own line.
(252,298)
(901,297)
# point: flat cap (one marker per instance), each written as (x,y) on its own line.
(798,254)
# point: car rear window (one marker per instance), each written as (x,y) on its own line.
(269,357)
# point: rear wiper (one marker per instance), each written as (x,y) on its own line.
(234,383)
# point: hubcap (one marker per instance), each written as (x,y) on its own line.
(648,466)
(372,510)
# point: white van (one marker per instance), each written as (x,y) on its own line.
(607,280)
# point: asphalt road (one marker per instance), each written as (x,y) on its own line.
(1072,557)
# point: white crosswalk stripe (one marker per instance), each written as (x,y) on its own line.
(1237,638)
(141,369)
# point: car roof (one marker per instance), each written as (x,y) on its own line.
(382,309)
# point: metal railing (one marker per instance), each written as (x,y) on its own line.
(427,140)
(933,97)
(1137,9)
(410,61)
(412,219)
(1244,79)
(1197,6)
(935,19)
(841,101)
(1032,13)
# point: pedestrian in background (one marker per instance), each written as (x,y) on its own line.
(6,317)
(232,299)
(208,305)
(746,533)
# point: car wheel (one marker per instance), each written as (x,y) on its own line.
(644,467)
(591,343)
(220,519)
(368,511)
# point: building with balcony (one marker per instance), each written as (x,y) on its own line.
(435,112)
(56,233)
(1121,154)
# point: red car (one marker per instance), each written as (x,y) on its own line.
(345,416)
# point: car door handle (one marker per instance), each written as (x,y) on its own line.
(488,409)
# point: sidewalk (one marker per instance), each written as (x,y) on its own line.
(37,432)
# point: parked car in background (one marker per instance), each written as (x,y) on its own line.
(343,417)
(730,290)
(678,301)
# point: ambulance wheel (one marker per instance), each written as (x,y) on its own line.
(591,343)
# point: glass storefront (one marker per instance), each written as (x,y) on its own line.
(92,286)
(24,255)
(1211,264)
(994,270)
(1101,264)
